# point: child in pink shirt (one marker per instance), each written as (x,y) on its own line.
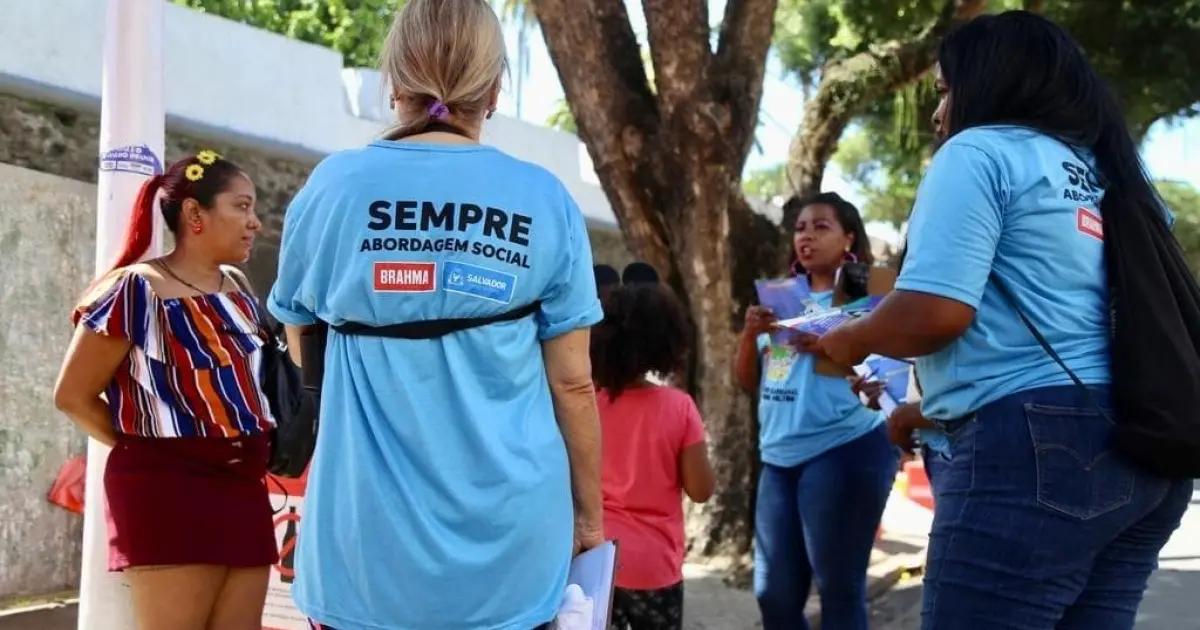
(654,451)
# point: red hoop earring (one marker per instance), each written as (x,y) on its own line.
(197,228)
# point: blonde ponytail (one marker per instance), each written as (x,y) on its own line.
(443,60)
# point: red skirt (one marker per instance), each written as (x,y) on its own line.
(175,501)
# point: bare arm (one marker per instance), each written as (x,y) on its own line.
(745,365)
(293,334)
(569,371)
(911,324)
(699,481)
(86,372)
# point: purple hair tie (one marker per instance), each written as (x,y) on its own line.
(438,110)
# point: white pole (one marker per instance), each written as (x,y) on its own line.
(132,140)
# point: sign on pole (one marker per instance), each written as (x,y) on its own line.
(132,140)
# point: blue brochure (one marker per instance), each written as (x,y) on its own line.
(786,297)
(893,373)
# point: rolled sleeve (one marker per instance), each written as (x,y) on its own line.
(291,300)
(571,302)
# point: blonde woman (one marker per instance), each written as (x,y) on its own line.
(458,464)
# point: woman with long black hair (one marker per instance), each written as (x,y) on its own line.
(1039,524)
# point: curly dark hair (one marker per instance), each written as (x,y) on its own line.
(645,329)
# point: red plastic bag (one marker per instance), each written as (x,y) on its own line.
(67,491)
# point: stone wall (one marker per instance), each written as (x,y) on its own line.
(47,224)
(53,139)
(47,240)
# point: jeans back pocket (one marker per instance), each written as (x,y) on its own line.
(1078,474)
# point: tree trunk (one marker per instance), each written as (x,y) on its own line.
(669,163)
(850,84)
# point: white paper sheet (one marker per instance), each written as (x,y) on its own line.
(594,572)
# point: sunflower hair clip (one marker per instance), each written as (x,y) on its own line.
(195,172)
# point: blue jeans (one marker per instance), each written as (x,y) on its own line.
(935,465)
(818,521)
(1038,525)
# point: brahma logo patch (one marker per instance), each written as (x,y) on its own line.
(1089,223)
(405,277)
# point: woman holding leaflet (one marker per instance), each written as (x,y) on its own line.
(827,463)
(1039,524)
(455,473)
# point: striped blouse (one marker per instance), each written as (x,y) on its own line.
(193,369)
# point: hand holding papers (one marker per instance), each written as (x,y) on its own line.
(893,373)
(576,611)
(791,300)
(786,298)
(593,572)
(817,323)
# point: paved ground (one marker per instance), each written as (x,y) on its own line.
(710,603)
(1170,604)
(59,618)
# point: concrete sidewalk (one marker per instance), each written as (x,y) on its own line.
(58,616)
(710,603)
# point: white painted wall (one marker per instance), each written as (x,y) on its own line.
(249,87)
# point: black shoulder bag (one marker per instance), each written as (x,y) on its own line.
(294,407)
(1154,341)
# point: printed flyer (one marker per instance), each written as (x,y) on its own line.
(787,298)
(894,374)
(817,323)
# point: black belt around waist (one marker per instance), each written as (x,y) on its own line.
(314,338)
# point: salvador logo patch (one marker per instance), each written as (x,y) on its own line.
(479,282)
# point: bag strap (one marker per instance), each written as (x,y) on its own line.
(1041,339)
(243,283)
(434,328)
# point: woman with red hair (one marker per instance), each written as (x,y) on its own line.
(164,368)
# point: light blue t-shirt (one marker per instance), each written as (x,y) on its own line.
(439,495)
(935,439)
(1024,206)
(802,414)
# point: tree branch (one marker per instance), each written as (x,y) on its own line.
(678,35)
(740,64)
(598,59)
(850,84)
(1034,6)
